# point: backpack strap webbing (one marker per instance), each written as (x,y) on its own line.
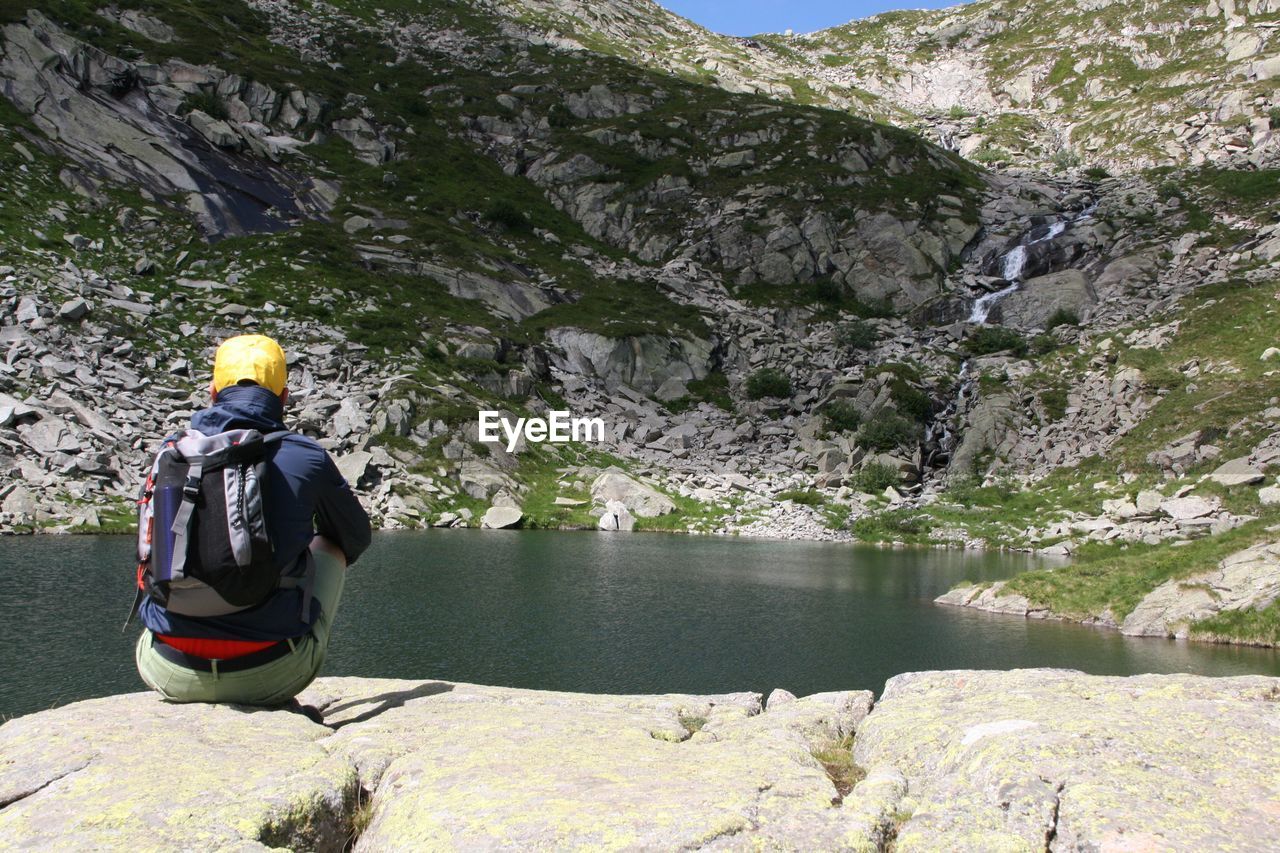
(181,528)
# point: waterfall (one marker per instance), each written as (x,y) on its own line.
(983,304)
(941,435)
(1014,263)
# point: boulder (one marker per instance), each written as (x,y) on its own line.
(673,389)
(1039,298)
(73,309)
(616,516)
(991,599)
(1148,502)
(1246,580)
(614,484)
(501,517)
(511,300)
(1270,496)
(19,502)
(1237,472)
(355,468)
(481,480)
(643,362)
(1185,509)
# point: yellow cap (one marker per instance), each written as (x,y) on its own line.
(253,357)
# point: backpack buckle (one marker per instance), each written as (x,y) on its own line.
(191,488)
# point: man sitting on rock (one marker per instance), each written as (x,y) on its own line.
(267,651)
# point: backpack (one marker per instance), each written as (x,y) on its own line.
(203,546)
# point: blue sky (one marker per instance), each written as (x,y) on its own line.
(748,17)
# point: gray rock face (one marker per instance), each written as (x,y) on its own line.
(1041,297)
(1246,580)
(991,427)
(641,499)
(644,362)
(96,109)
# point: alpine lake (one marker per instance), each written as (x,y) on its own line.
(595,613)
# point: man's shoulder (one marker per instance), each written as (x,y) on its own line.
(296,446)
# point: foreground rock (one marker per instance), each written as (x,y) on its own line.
(952,760)
(1053,759)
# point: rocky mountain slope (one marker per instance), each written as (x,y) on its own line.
(1120,85)
(1029,759)
(1055,85)
(794,321)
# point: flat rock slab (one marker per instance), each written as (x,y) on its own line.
(953,760)
(459,766)
(136,773)
(1054,759)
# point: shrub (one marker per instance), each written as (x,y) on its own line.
(1062,317)
(842,415)
(858,334)
(875,477)
(768,382)
(714,389)
(1169,190)
(1065,158)
(910,400)
(886,430)
(1096,173)
(206,102)
(1043,344)
(828,291)
(502,212)
(808,497)
(988,339)
(1054,401)
(877,308)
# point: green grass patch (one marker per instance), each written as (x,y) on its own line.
(836,759)
(807,497)
(1251,627)
(767,382)
(1118,581)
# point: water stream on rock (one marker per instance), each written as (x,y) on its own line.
(1013,266)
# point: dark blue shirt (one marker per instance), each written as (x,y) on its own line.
(306,495)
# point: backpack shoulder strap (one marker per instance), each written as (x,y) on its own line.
(277,436)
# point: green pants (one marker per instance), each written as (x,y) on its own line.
(272,683)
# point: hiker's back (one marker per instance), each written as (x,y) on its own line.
(267,638)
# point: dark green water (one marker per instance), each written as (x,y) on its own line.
(596,613)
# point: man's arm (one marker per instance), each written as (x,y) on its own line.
(339,515)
